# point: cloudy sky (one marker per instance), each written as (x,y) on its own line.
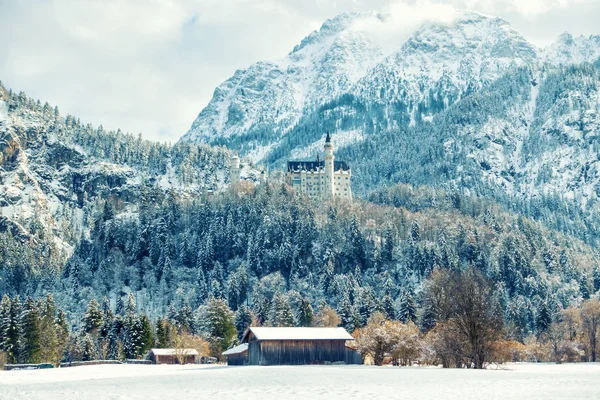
(150,66)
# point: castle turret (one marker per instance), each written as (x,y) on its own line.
(234,172)
(329,162)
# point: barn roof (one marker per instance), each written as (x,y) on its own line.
(236,350)
(269,333)
(173,352)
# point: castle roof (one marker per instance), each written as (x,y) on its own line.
(296,166)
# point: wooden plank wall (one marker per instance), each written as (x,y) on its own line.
(253,353)
(238,359)
(298,352)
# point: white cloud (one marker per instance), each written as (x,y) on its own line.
(150,65)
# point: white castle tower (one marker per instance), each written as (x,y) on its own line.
(328,167)
(234,172)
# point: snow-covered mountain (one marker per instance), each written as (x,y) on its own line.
(572,50)
(341,78)
(274,95)
(56,173)
(440,63)
(431,69)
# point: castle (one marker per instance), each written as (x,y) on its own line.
(318,179)
(321,179)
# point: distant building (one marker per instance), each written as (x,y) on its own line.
(237,355)
(293,346)
(169,356)
(325,179)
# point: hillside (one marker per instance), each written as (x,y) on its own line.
(57,174)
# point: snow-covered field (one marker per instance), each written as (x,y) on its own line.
(519,381)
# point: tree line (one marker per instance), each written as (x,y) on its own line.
(459,324)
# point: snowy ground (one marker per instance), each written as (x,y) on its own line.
(521,381)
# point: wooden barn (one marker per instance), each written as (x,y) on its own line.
(169,356)
(237,355)
(297,346)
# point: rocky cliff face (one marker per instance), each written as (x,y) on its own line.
(275,94)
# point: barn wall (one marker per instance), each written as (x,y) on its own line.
(238,359)
(171,359)
(353,357)
(297,352)
(254,353)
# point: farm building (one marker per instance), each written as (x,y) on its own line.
(237,355)
(169,356)
(295,346)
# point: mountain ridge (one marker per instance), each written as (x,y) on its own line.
(437,66)
(261,104)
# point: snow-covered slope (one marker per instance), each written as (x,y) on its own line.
(272,96)
(572,50)
(55,173)
(424,74)
(440,63)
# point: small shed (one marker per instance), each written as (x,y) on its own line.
(169,356)
(237,355)
(296,346)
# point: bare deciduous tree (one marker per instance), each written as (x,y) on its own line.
(327,317)
(590,322)
(186,342)
(465,301)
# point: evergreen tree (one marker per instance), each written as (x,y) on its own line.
(133,337)
(388,308)
(92,320)
(543,318)
(13,331)
(185,319)
(428,317)
(365,304)
(120,309)
(173,315)
(4,322)
(147,339)
(349,317)
(596,277)
(219,324)
(415,232)
(107,318)
(114,343)
(130,310)
(584,285)
(89,352)
(327,278)
(163,333)
(107,313)
(281,313)
(30,333)
(242,292)
(408,309)
(357,243)
(62,330)
(305,315)
(243,320)
(387,247)
(50,348)
(202,287)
